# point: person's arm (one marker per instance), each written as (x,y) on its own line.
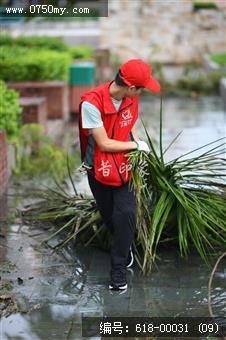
(91,119)
(134,133)
(107,144)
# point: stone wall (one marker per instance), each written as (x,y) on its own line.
(4,173)
(165,31)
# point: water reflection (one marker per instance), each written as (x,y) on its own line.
(176,288)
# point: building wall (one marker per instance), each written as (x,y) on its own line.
(166,31)
(4,173)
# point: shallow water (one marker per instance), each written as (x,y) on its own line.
(201,120)
(69,286)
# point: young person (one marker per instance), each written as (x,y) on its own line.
(106,125)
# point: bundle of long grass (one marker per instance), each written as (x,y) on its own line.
(181,200)
(70,216)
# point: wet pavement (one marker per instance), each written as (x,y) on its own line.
(66,287)
(54,291)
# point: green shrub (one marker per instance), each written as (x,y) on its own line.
(204,5)
(6,39)
(201,83)
(38,58)
(10,110)
(21,64)
(63,18)
(219,58)
(45,42)
(38,156)
(81,52)
(50,43)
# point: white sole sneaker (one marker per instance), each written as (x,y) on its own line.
(122,287)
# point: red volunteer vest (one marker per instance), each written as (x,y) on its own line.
(110,168)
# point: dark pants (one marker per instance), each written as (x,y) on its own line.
(118,210)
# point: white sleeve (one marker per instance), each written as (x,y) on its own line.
(91,116)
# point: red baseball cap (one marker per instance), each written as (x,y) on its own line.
(136,72)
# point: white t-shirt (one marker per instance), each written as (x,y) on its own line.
(91,116)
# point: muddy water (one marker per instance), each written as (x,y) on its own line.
(58,290)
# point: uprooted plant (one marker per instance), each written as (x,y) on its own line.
(183,199)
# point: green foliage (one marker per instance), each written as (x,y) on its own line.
(194,79)
(47,43)
(200,83)
(204,5)
(63,18)
(81,52)
(6,39)
(183,199)
(10,119)
(44,42)
(21,64)
(38,156)
(75,218)
(38,58)
(219,58)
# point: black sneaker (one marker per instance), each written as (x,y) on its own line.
(130,258)
(118,280)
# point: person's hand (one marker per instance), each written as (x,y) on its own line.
(142,146)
